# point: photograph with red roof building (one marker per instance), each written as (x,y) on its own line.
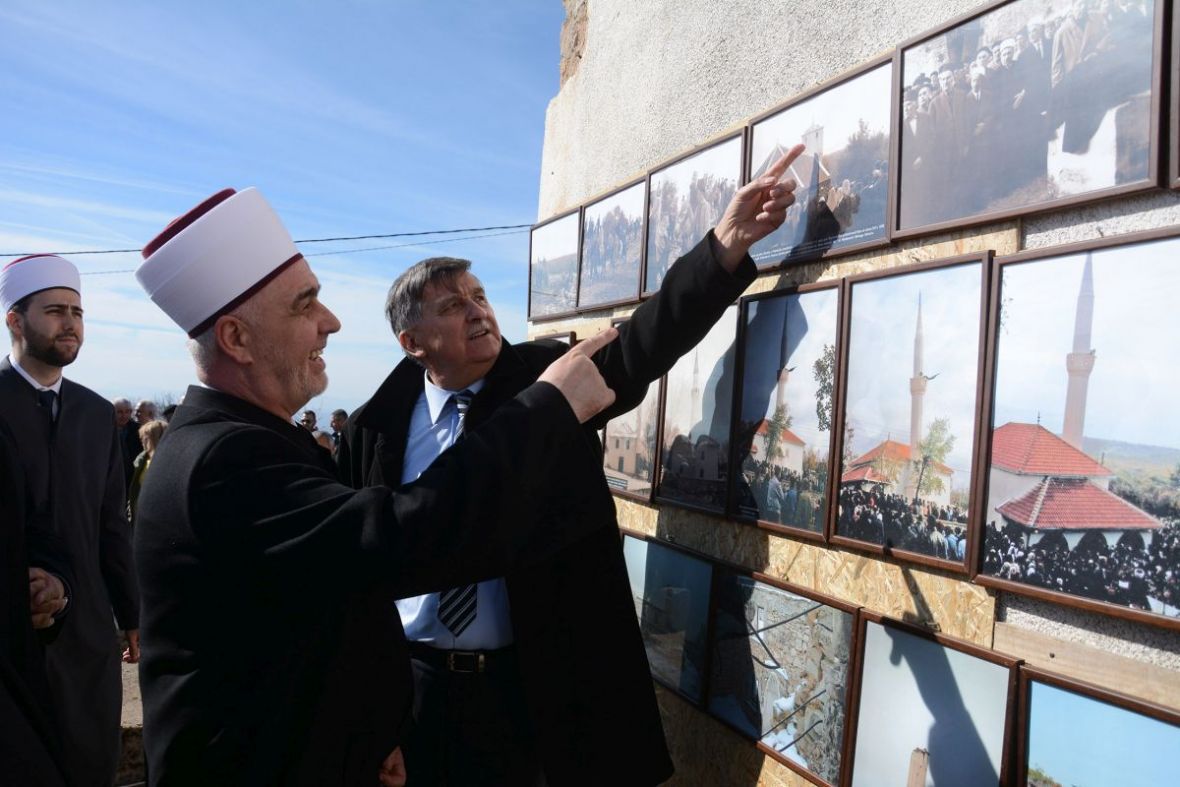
(1084,462)
(909,412)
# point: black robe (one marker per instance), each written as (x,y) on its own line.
(582,661)
(75,479)
(272,652)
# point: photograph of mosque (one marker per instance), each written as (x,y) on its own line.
(784,428)
(842,176)
(1033,102)
(909,410)
(612,248)
(629,447)
(553,267)
(1084,741)
(929,715)
(780,671)
(1084,464)
(671,593)
(698,400)
(688,198)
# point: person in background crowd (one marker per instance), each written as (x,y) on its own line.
(337,423)
(128,433)
(307,420)
(149,434)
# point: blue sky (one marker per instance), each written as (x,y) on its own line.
(353,118)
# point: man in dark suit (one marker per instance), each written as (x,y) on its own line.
(270,656)
(69,452)
(538,676)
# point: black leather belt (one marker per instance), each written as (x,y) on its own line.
(464,661)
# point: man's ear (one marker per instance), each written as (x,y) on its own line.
(234,339)
(12,320)
(410,345)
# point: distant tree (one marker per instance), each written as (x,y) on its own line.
(935,448)
(824,371)
(778,423)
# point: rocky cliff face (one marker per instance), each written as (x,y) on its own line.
(573,37)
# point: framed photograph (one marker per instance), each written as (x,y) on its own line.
(630,446)
(698,407)
(1174,125)
(780,671)
(842,199)
(553,267)
(1082,501)
(671,592)
(931,710)
(1077,734)
(612,248)
(783,433)
(1028,105)
(908,410)
(687,198)
(565,337)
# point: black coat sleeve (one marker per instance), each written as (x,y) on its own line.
(480,507)
(693,296)
(114,543)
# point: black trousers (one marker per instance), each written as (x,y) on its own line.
(471,729)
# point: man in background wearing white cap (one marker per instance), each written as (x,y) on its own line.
(66,439)
(269,652)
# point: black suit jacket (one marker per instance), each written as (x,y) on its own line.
(272,653)
(587,682)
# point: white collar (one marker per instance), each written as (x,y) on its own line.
(437,398)
(56,387)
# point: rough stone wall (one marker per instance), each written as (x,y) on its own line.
(657,78)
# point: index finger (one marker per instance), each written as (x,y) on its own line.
(595,343)
(779,167)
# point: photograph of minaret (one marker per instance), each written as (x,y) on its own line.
(842,176)
(629,446)
(784,429)
(698,404)
(553,267)
(612,248)
(688,198)
(1084,462)
(909,410)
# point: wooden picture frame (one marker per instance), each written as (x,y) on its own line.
(693,471)
(624,463)
(610,262)
(772,491)
(960,686)
(565,337)
(552,300)
(671,228)
(1133,723)
(825,677)
(874,509)
(1173,127)
(1059,552)
(1092,132)
(672,612)
(855,178)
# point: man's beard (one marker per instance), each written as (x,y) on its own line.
(45,350)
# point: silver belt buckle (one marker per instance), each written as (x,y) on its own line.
(467,662)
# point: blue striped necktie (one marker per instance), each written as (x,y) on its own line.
(456,607)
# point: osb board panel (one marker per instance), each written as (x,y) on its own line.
(707,753)
(925,596)
(1092,665)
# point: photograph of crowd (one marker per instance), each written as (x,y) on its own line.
(1032,102)
(842,177)
(688,198)
(1083,741)
(779,671)
(909,410)
(1084,476)
(671,594)
(950,731)
(629,447)
(698,403)
(612,248)
(784,428)
(553,267)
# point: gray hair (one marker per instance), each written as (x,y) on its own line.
(203,347)
(403,305)
(120,400)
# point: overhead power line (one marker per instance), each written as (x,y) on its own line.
(306,240)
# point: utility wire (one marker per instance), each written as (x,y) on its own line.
(308,240)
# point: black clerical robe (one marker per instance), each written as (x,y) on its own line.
(73,468)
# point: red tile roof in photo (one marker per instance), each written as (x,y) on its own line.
(894,451)
(1031,449)
(787,435)
(863,473)
(1075,504)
